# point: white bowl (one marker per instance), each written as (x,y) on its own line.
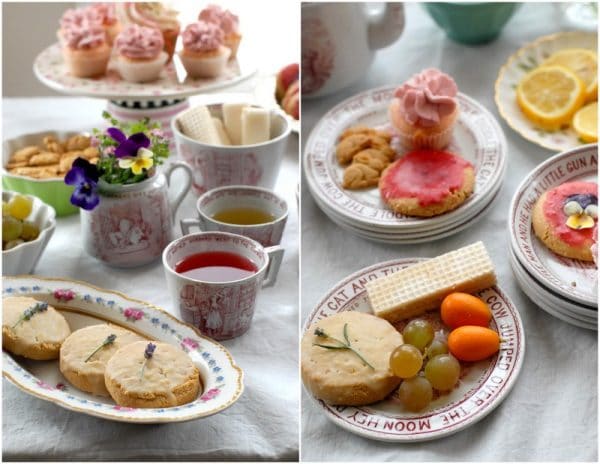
(23,258)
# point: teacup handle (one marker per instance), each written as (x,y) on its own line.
(386,27)
(188,223)
(275,257)
(184,189)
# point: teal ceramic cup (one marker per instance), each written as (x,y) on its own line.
(471,23)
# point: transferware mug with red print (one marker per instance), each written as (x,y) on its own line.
(220,306)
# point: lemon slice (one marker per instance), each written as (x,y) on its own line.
(550,95)
(585,123)
(583,62)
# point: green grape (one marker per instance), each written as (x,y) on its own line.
(30,231)
(406,361)
(443,371)
(13,243)
(419,333)
(20,206)
(436,347)
(11,228)
(415,393)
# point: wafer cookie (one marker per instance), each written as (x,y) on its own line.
(422,286)
(256,125)
(197,123)
(223,135)
(232,118)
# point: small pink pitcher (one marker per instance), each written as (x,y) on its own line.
(133,223)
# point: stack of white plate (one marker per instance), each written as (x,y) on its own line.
(566,288)
(477,137)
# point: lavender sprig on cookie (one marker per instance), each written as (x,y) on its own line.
(30,312)
(107,341)
(342,345)
(148,353)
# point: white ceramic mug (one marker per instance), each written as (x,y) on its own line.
(239,196)
(133,223)
(220,310)
(339,41)
(216,166)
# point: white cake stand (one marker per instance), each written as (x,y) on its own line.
(159,100)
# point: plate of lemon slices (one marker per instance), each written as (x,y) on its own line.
(548,90)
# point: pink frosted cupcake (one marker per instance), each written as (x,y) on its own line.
(204,54)
(140,54)
(424,110)
(85,49)
(229,24)
(105,14)
(152,14)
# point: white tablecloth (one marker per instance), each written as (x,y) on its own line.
(552,412)
(263,424)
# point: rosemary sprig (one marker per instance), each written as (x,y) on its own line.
(31,311)
(107,341)
(148,352)
(342,345)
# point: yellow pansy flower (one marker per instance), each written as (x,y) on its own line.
(142,161)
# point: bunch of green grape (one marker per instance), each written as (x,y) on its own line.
(424,364)
(15,228)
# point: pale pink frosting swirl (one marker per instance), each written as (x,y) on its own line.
(78,17)
(427,97)
(79,30)
(202,36)
(225,19)
(149,14)
(139,43)
(104,12)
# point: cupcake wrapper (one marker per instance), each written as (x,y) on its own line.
(413,138)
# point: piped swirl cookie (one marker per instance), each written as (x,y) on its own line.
(151,375)
(84,354)
(344,376)
(32,328)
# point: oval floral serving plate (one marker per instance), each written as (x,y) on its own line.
(477,137)
(83,305)
(173,83)
(518,65)
(573,279)
(482,385)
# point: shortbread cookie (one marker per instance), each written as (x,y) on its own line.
(168,377)
(32,329)
(427,183)
(565,219)
(84,354)
(340,376)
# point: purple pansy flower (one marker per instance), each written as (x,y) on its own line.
(84,176)
(128,146)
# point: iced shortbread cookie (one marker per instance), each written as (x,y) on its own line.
(427,183)
(151,375)
(565,219)
(341,376)
(84,354)
(32,329)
